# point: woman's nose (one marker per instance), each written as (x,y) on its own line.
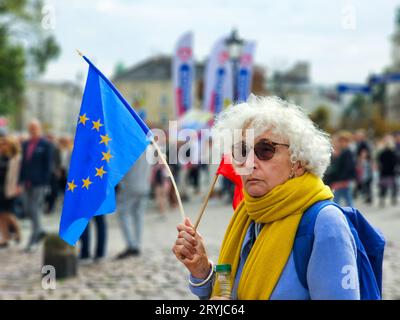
(249,165)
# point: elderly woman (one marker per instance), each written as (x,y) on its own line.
(281,170)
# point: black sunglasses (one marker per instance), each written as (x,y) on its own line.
(263,149)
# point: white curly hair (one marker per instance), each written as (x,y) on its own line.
(308,144)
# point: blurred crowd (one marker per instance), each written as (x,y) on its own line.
(33,177)
(366,168)
(33,171)
(34,167)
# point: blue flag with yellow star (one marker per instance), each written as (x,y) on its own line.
(109,138)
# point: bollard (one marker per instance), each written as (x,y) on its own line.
(61,256)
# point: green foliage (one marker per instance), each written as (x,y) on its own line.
(378,93)
(12,6)
(357,115)
(381,125)
(41,55)
(24,45)
(321,116)
(119,69)
(11,74)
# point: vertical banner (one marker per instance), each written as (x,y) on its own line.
(245,71)
(218,79)
(183,73)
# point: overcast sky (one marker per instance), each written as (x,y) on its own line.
(343,40)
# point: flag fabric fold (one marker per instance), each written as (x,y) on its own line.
(226,169)
(109,138)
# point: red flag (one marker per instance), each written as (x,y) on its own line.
(226,169)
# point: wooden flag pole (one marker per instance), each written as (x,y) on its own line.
(171,176)
(206,202)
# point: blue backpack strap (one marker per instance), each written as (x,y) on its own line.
(303,242)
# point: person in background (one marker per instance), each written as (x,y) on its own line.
(65,146)
(206,160)
(194,164)
(85,256)
(160,183)
(365,175)
(54,190)
(342,171)
(387,162)
(362,150)
(35,178)
(397,142)
(10,161)
(185,152)
(175,167)
(132,198)
(19,200)
(361,142)
(100,222)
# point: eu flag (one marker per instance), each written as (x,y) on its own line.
(109,138)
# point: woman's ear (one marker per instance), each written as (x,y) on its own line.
(298,169)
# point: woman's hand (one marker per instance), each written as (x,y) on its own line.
(190,250)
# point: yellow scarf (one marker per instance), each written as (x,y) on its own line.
(281,211)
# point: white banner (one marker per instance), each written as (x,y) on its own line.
(218,81)
(183,74)
(245,71)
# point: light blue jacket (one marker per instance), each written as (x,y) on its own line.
(333,261)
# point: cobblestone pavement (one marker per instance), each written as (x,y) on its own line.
(156,274)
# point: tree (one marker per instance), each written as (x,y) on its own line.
(321,116)
(11,74)
(119,69)
(357,114)
(25,50)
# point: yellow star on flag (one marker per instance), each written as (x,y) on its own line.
(83,119)
(71,186)
(107,156)
(97,125)
(100,172)
(86,183)
(105,139)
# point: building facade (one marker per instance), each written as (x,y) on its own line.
(147,87)
(295,86)
(56,105)
(392,90)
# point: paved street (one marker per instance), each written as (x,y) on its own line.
(156,274)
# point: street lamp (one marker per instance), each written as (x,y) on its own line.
(234,44)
